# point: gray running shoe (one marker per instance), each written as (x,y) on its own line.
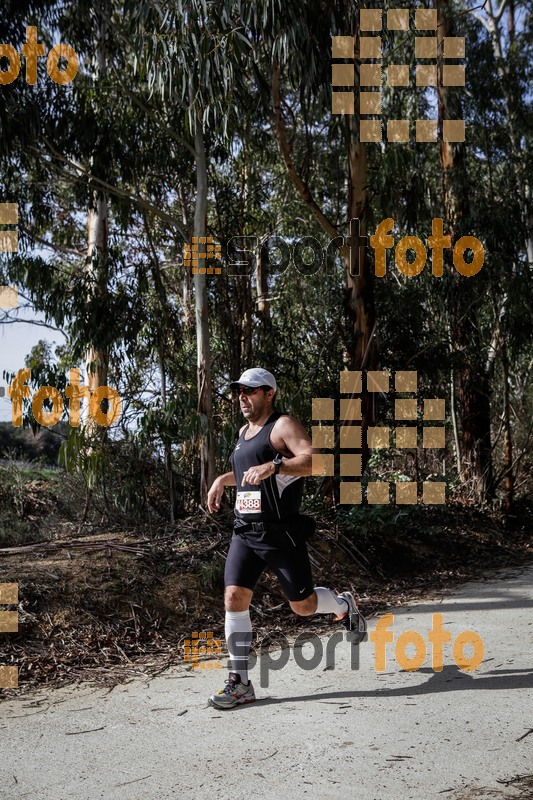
(233,694)
(353,621)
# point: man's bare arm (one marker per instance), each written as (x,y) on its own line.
(217,490)
(296,440)
(227,479)
(289,437)
(299,465)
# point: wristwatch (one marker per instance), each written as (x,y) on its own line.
(277,463)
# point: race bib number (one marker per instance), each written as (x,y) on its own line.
(248,502)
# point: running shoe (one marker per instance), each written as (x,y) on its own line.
(233,694)
(353,620)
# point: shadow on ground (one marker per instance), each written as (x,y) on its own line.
(451,679)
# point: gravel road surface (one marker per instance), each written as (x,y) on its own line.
(323,733)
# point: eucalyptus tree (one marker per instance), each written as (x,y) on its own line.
(209,57)
(190,55)
(292,68)
(474,455)
(508,27)
(88,168)
(483,186)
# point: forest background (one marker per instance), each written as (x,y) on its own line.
(214,119)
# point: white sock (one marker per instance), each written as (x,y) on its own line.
(238,640)
(329,603)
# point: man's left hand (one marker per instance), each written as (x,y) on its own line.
(255,475)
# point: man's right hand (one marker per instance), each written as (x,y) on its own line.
(214,496)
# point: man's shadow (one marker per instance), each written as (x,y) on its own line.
(451,679)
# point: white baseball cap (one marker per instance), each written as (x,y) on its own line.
(256,377)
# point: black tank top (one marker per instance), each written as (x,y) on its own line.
(278,497)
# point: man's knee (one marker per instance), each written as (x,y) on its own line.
(304,607)
(237,598)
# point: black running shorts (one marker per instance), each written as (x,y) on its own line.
(248,558)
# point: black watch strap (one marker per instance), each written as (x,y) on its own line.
(277,463)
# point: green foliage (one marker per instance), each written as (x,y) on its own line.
(13,489)
(211,575)
(126,131)
(78,454)
(363,522)
(30,505)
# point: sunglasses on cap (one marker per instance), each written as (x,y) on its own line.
(248,390)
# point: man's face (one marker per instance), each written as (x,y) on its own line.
(254,405)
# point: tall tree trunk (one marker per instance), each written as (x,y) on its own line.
(167,446)
(266,344)
(359,297)
(472,381)
(97,359)
(205,390)
(508,439)
(491,21)
(186,284)
(263,302)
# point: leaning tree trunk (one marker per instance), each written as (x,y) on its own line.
(473,385)
(359,288)
(205,392)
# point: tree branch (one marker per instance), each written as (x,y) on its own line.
(5,319)
(285,148)
(139,201)
(500,11)
(59,248)
(170,132)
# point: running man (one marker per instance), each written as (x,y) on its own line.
(271,458)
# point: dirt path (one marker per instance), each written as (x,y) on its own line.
(323,733)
